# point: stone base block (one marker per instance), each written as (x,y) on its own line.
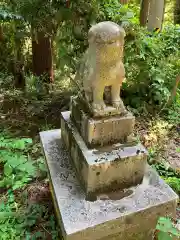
(105,168)
(132,217)
(109,110)
(103,131)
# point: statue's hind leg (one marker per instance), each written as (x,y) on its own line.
(98,102)
(116,100)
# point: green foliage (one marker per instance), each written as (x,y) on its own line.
(19,144)
(85,14)
(171,177)
(114,11)
(10,228)
(17,221)
(18,169)
(174,182)
(151,60)
(166,229)
(173,112)
(178,150)
(152,64)
(5,15)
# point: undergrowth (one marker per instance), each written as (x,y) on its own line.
(171,176)
(20,219)
(17,165)
(166,229)
(19,222)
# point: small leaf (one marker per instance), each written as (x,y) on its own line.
(28,140)
(8,170)
(163,236)
(27,167)
(18,184)
(164,224)
(178,150)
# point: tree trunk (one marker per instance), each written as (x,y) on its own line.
(42,58)
(124,1)
(18,63)
(177,12)
(19,79)
(144,12)
(1,33)
(156,12)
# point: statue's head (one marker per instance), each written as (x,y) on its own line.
(109,37)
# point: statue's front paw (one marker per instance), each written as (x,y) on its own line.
(119,106)
(98,106)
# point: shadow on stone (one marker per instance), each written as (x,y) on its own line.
(115,195)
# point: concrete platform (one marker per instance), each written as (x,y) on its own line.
(103,168)
(129,218)
(102,131)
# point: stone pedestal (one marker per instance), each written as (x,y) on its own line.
(103,168)
(132,216)
(101,131)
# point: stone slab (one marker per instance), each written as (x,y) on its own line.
(129,218)
(102,131)
(103,168)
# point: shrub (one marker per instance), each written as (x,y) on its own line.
(152,63)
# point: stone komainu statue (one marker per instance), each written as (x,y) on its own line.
(102,66)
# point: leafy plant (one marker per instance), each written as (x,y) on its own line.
(151,62)
(18,169)
(17,221)
(166,229)
(114,11)
(174,182)
(10,143)
(171,177)
(178,150)
(173,112)
(10,228)
(6,15)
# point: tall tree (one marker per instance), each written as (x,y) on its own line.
(44,17)
(14,62)
(1,32)
(156,14)
(42,57)
(40,14)
(144,12)
(177,12)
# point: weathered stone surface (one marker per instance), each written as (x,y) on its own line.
(102,66)
(110,167)
(100,132)
(87,108)
(129,218)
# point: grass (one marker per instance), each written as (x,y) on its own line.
(25,206)
(26,209)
